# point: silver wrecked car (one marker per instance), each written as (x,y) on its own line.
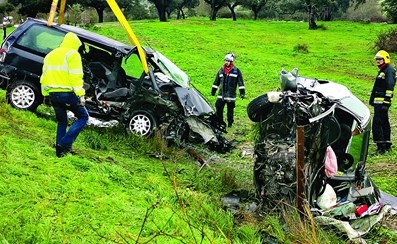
(330,128)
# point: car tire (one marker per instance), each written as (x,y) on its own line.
(24,95)
(259,108)
(142,122)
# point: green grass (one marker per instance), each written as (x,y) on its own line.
(114,191)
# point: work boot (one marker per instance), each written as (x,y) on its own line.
(61,151)
(380,150)
(387,146)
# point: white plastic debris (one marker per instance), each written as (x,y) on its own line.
(327,199)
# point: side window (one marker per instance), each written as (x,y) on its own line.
(40,39)
(133,67)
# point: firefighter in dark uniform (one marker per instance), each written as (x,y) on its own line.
(227,80)
(381,98)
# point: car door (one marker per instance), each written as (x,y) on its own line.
(28,51)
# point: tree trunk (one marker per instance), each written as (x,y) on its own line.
(312,18)
(162,16)
(213,13)
(180,13)
(327,15)
(183,14)
(255,15)
(232,11)
(100,14)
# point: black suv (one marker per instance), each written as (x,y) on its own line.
(115,88)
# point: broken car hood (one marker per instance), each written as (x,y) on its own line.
(345,99)
(193,102)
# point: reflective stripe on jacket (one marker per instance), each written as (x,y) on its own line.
(63,69)
(382,92)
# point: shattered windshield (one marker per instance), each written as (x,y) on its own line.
(171,70)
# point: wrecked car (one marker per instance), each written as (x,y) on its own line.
(117,88)
(335,138)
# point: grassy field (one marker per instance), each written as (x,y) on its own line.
(115,191)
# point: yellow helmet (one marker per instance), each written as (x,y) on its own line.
(383,54)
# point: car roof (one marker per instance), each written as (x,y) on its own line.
(85,34)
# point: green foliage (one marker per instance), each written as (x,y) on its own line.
(301,48)
(74,15)
(390,7)
(139,11)
(370,11)
(387,40)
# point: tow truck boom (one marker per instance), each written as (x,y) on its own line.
(120,17)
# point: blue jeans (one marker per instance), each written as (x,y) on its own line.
(62,102)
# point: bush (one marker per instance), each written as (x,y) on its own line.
(370,11)
(387,41)
(303,48)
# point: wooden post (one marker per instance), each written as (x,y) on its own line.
(300,178)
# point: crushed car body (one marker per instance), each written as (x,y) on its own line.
(117,88)
(336,135)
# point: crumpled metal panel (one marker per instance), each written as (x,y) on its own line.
(193,102)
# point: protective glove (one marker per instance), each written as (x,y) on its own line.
(82,101)
(213,91)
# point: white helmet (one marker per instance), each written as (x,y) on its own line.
(229,57)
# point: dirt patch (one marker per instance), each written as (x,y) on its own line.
(382,168)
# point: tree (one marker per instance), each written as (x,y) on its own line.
(328,9)
(31,8)
(6,8)
(101,5)
(390,7)
(256,6)
(316,8)
(162,7)
(75,13)
(181,4)
(232,5)
(215,6)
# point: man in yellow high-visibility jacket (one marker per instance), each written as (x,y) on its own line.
(62,81)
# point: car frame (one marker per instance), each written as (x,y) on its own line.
(331,116)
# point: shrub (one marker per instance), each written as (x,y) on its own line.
(303,48)
(387,40)
(370,11)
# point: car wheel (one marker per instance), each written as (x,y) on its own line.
(259,108)
(142,122)
(24,95)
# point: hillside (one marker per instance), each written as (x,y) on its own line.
(126,189)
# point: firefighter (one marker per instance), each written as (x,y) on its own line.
(381,98)
(62,82)
(227,80)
